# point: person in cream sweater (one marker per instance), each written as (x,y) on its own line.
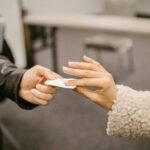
(129,110)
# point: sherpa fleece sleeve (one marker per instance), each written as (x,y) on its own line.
(130,114)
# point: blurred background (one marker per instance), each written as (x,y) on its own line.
(51,33)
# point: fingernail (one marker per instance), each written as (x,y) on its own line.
(67,83)
(38,85)
(70,63)
(32,90)
(85,56)
(64,68)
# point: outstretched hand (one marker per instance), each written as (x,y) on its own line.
(32,88)
(92,74)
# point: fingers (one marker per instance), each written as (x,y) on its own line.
(84,65)
(44,72)
(90,60)
(101,83)
(39,101)
(88,69)
(46,89)
(41,96)
(87,93)
(82,73)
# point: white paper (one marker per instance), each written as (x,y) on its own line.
(59,83)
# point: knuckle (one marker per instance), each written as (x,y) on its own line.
(37,66)
(97,64)
(48,71)
(109,76)
(107,82)
(91,66)
(95,67)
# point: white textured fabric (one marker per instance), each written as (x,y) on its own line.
(130,114)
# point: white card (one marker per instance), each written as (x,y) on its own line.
(59,83)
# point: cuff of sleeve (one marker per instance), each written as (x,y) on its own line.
(129,115)
(12,92)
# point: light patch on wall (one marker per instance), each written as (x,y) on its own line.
(13,29)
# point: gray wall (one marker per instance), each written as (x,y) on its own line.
(10,10)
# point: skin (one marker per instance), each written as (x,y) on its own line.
(92,74)
(32,88)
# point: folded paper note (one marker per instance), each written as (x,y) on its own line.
(59,83)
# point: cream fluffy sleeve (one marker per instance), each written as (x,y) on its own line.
(130,114)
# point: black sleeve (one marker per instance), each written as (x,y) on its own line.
(7,51)
(10,77)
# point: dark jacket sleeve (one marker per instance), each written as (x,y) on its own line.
(10,77)
(6,51)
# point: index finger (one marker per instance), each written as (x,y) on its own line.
(102,83)
(44,72)
(90,60)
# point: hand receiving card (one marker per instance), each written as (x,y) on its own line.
(59,83)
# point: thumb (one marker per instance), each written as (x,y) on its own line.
(57,75)
(45,73)
(85,92)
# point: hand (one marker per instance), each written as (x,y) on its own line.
(92,74)
(32,88)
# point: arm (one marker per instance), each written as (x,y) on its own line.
(130,114)
(25,87)
(128,109)
(9,74)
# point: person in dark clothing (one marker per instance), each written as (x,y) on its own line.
(25,87)
(7,52)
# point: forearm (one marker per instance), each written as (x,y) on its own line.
(130,115)
(10,82)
